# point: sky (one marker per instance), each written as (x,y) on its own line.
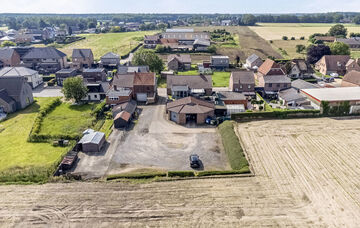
(178,6)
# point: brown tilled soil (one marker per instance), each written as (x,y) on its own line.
(307,175)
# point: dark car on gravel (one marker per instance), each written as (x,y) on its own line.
(194,161)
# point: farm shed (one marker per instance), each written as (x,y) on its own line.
(92,141)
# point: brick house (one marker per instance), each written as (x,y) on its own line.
(179,86)
(242,82)
(151,41)
(82,58)
(179,62)
(9,57)
(274,83)
(351,79)
(270,68)
(94,75)
(329,64)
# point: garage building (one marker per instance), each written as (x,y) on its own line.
(189,109)
(92,141)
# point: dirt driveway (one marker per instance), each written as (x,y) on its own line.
(159,144)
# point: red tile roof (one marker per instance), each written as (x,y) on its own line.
(144,79)
(270,67)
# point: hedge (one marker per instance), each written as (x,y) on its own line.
(276,114)
(232,146)
(47,78)
(44,110)
(244,170)
(181,174)
(99,110)
(136,176)
(267,107)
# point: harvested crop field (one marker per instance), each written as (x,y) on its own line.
(306,176)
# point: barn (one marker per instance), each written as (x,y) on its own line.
(92,141)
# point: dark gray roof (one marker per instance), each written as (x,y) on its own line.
(180,57)
(110,55)
(44,53)
(98,87)
(131,69)
(301,84)
(243,77)
(277,79)
(6,53)
(252,58)
(226,95)
(291,95)
(17,71)
(92,136)
(13,85)
(66,71)
(123,80)
(193,81)
(129,107)
(81,53)
(93,70)
(5,96)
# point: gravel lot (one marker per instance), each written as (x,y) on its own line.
(162,145)
(46,91)
(307,175)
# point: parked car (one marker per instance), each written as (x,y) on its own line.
(194,161)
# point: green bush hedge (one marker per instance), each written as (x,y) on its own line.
(99,110)
(44,110)
(230,172)
(181,174)
(232,146)
(136,176)
(276,114)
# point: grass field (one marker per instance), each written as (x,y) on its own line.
(220,79)
(355,54)
(275,31)
(15,151)
(289,46)
(100,44)
(68,119)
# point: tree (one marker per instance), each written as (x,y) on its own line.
(212,49)
(285,38)
(300,48)
(248,19)
(91,25)
(237,60)
(8,44)
(339,48)
(70,30)
(292,38)
(338,30)
(356,20)
(316,52)
(148,58)
(74,89)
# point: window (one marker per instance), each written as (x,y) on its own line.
(278,85)
(241,86)
(270,85)
(112,98)
(95,96)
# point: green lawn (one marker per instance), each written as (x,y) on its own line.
(100,44)
(68,119)
(18,154)
(355,54)
(107,127)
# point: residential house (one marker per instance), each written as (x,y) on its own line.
(31,76)
(179,86)
(63,74)
(9,57)
(151,41)
(17,90)
(293,98)
(185,36)
(273,84)
(116,96)
(300,69)
(300,84)
(254,62)
(353,42)
(351,79)
(124,113)
(49,33)
(220,62)
(133,69)
(12,33)
(82,58)
(96,90)
(22,50)
(226,22)
(24,38)
(232,98)
(242,82)
(270,68)
(142,85)
(179,62)
(332,64)
(46,60)
(110,60)
(94,75)
(352,65)
(189,109)
(92,141)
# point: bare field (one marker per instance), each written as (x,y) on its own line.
(275,31)
(306,176)
(290,47)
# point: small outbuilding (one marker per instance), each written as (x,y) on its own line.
(124,113)
(92,141)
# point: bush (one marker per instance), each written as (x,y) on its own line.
(271,41)
(44,110)
(136,176)
(232,146)
(276,114)
(99,110)
(292,38)
(48,78)
(230,172)
(285,38)
(302,38)
(181,174)
(51,82)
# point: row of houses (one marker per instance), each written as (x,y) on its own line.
(353,42)
(29,35)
